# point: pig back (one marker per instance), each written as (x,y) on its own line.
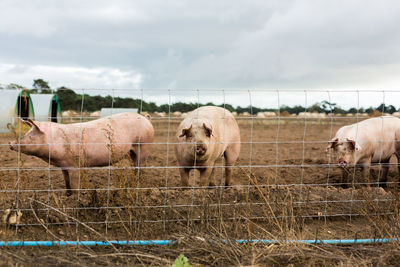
(100,141)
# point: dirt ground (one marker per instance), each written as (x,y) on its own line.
(283,187)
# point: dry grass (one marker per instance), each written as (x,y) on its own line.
(204,242)
(199,219)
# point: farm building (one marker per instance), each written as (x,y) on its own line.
(110,111)
(47,107)
(14,104)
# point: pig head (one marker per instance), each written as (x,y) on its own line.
(33,142)
(198,139)
(345,150)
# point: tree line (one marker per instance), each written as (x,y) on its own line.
(70,100)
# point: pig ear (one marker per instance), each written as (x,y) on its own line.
(208,128)
(332,144)
(185,131)
(353,145)
(27,122)
(32,124)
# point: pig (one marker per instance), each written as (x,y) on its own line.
(206,134)
(95,143)
(369,141)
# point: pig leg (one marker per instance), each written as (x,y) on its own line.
(144,152)
(71,178)
(398,167)
(132,155)
(139,154)
(205,174)
(366,171)
(136,161)
(67,183)
(228,169)
(231,154)
(385,170)
(74,178)
(184,172)
(211,184)
(344,178)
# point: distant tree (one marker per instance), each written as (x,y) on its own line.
(381,107)
(327,106)
(239,109)
(292,110)
(388,109)
(184,107)
(316,108)
(164,108)
(228,107)
(352,110)
(69,100)
(338,110)
(369,110)
(41,86)
(152,107)
(14,86)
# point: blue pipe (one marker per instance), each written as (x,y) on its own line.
(171,242)
(86,243)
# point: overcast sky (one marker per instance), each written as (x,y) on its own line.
(205,45)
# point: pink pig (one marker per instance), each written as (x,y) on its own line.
(369,141)
(88,144)
(205,135)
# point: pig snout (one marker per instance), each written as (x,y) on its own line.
(13,146)
(201,149)
(342,163)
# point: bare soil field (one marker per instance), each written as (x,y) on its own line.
(285,186)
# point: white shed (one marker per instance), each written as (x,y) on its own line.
(104,112)
(14,104)
(47,107)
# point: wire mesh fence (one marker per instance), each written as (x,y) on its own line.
(284,184)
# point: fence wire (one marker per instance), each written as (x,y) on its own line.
(284,181)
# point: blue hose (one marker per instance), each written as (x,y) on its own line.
(170,242)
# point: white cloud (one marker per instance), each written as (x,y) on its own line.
(72,77)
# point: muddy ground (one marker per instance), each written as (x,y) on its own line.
(283,187)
